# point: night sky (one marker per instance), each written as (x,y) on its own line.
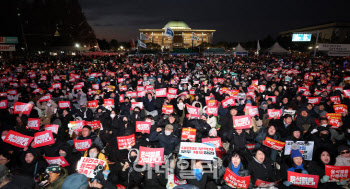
(234,21)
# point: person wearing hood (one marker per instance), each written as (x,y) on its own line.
(30,163)
(52,150)
(322,158)
(296,135)
(263,113)
(137,115)
(125,107)
(95,152)
(227,124)
(125,127)
(159,83)
(84,112)
(166,139)
(149,105)
(261,167)
(322,139)
(71,157)
(88,134)
(343,159)
(128,176)
(201,126)
(285,126)
(305,121)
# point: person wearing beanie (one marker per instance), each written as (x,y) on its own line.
(76,181)
(297,162)
(343,159)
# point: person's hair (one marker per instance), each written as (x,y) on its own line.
(254,151)
(6,155)
(228,157)
(287,116)
(88,127)
(94,146)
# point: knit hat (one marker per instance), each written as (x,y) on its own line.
(295,152)
(53,168)
(75,181)
(169,127)
(342,148)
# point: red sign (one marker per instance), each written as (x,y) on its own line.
(151,156)
(274,144)
(82,145)
(274,113)
(3,94)
(242,122)
(43,138)
(12,92)
(95,86)
(108,102)
(230,101)
(22,108)
(273,98)
(121,98)
(52,127)
(235,181)
(252,110)
(265,184)
(3,104)
(122,88)
(56,160)
(63,104)
(347,93)
(92,104)
(262,88)
(192,92)
(143,126)
(340,108)
(45,98)
(33,123)
(338,173)
(136,104)
(314,100)
(17,139)
(211,103)
(161,92)
(125,142)
(303,180)
(335,99)
(56,85)
(192,110)
(149,87)
(76,125)
(167,109)
(212,110)
(56,78)
(188,133)
(172,91)
(215,141)
(93,124)
(334,119)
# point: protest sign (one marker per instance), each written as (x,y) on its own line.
(64,104)
(161,92)
(212,110)
(188,134)
(337,173)
(272,113)
(172,91)
(43,138)
(306,149)
(273,98)
(52,127)
(265,184)
(194,111)
(61,161)
(76,125)
(92,104)
(24,108)
(314,100)
(93,124)
(215,141)
(108,102)
(199,151)
(17,139)
(45,98)
(151,156)
(82,145)
(230,101)
(242,122)
(3,104)
(274,144)
(143,126)
(136,104)
(253,110)
(33,123)
(167,109)
(303,180)
(87,166)
(335,99)
(334,119)
(340,108)
(235,181)
(290,112)
(125,142)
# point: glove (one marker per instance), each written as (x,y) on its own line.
(343,182)
(304,172)
(256,117)
(324,179)
(314,131)
(286,183)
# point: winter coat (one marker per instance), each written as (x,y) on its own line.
(263,171)
(167,142)
(57,184)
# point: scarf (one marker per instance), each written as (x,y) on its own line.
(235,170)
(297,167)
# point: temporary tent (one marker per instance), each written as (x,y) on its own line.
(276,48)
(239,50)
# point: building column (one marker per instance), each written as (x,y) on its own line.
(202,37)
(183,40)
(152,37)
(162,39)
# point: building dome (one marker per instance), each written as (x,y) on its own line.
(177,25)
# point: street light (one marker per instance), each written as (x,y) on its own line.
(77,45)
(310,47)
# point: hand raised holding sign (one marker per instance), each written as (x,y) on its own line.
(159,129)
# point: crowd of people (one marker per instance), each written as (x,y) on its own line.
(263,83)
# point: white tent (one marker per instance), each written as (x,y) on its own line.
(276,48)
(239,49)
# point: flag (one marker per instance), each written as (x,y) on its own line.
(144,36)
(132,44)
(195,36)
(169,32)
(258,47)
(142,44)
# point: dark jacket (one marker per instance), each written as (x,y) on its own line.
(263,171)
(167,142)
